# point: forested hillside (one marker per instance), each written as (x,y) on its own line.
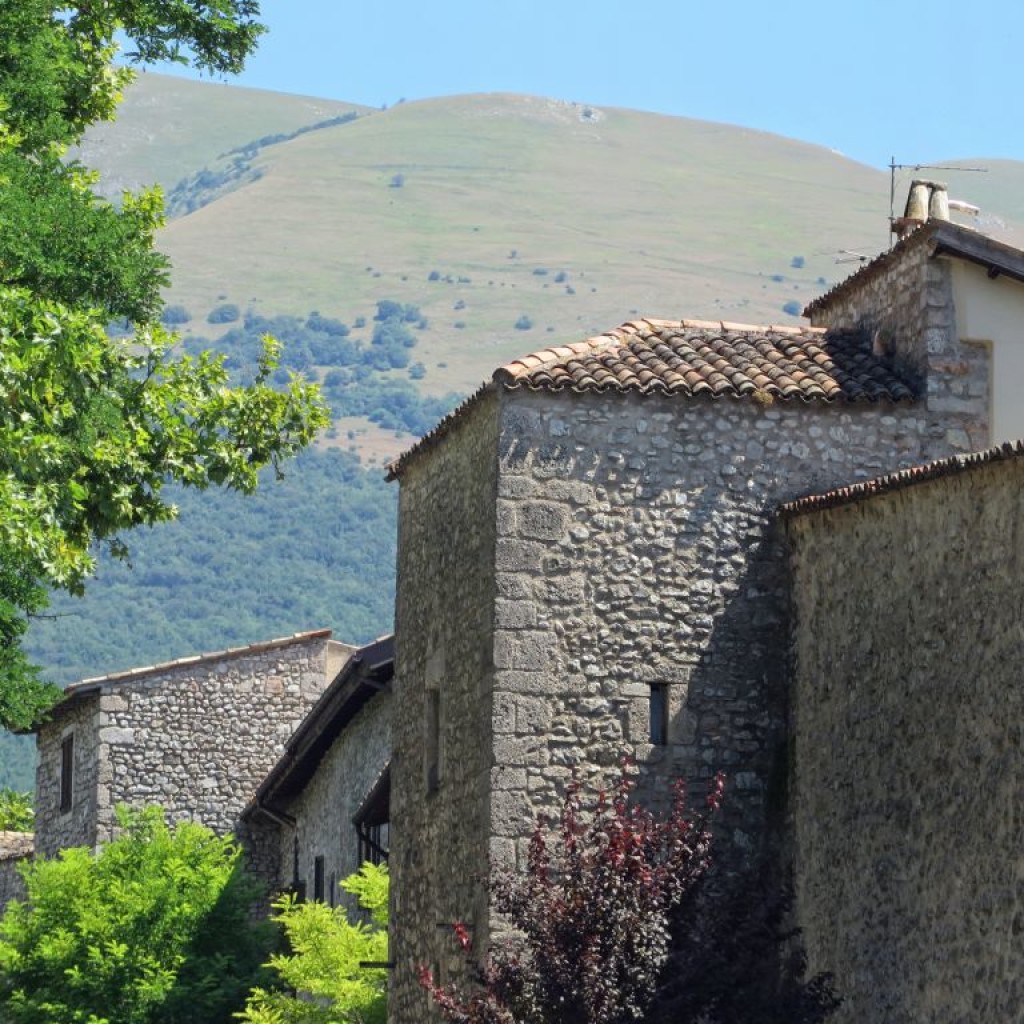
(399,255)
(312,550)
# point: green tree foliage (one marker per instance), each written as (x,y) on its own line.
(358,383)
(154,929)
(92,427)
(16,814)
(324,983)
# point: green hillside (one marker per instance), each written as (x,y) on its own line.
(573,217)
(168,127)
(507,223)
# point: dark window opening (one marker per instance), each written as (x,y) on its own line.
(333,887)
(298,885)
(659,714)
(67,772)
(318,879)
(372,822)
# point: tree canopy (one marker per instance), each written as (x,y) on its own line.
(154,928)
(91,426)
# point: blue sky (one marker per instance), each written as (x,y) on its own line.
(924,81)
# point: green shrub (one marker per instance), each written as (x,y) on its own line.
(154,929)
(16,813)
(177,314)
(225,313)
(323,982)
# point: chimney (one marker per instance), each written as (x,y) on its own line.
(927,200)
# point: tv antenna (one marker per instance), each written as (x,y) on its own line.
(894,167)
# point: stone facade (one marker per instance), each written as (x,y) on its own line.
(78,827)
(907,787)
(196,736)
(444,622)
(558,555)
(905,301)
(15,850)
(325,811)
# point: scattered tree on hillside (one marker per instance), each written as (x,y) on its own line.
(92,426)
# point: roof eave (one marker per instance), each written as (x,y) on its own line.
(365,674)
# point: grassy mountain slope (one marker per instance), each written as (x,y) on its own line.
(564,218)
(169,127)
(641,213)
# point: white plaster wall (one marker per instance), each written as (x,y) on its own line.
(992,312)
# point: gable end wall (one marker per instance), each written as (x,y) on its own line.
(196,738)
(909,309)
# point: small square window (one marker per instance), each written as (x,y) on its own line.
(658,707)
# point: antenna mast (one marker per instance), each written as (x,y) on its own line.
(894,167)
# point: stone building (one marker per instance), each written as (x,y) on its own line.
(907,795)
(591,561)
(326,801)
(196,735)
(15,849)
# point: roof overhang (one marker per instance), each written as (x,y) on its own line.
(368,672)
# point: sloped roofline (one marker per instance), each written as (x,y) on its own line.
(512,375)
(945,239)
(853,494)
(368,672)
(76,692)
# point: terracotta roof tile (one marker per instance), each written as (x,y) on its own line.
(687,357)
(902,479)
(698,358)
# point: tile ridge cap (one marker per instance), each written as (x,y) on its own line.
(509,374)
(689,323)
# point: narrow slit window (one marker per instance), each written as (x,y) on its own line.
(659,714)
(67,772)
(318,879)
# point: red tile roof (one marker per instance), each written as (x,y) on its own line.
(902,479)
(697,357)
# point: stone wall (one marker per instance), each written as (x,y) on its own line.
(444,623)
(636,546)
(908,787)
(55,830)
(15,850)
(558,554)
(324,811)
(905,300)
(196,736)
